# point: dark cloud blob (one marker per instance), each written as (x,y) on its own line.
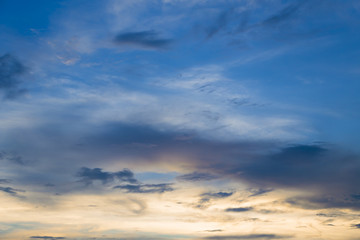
(257,192)
(11,70)
(311,166)
(47,237)
(324,202)
(291,166)
(12,191)
(214,230)
(89,175)
(330,215)
(197,176)
(356,196)
(206,198)
(249,236)
(144,39)
(4,181)
(356,225)
(327,172)
(146,188)
(217,194)
(240,209)
(14,158)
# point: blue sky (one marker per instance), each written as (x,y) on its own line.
(238,105)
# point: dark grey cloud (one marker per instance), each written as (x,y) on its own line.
(47,237)
(324,202)
(217,194)
(214,230)
(328,173)
(249,236)
(145,39)
(89,175)
(355,196)
(11,69)
(14,158)
(257,192)
(292,165)
(12,191)
(240,209)
(206,198)
(267,211)
(356,225)
(301,165)
(330,215)
(197,176)
(146,188)
(4,181)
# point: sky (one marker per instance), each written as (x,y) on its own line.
(179,119)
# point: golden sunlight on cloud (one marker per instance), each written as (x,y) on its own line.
(188,212)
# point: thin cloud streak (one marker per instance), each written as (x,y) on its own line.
(146,39)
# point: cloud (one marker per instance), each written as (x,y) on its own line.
(356,225)
(145,39)
(241,27)
(263,165)
(146,188)
(257,192)
(356,196)
(327,173)
(12,191)
(205,200)
(47,237)
(324,202)
(330,215)
(220,22)
(10,71)
(4,181)
(14,158)
(217,194)
(249,236)
(283,15)
(318,169)
(240,209)
(89,175)
(214,230)
(196,176)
